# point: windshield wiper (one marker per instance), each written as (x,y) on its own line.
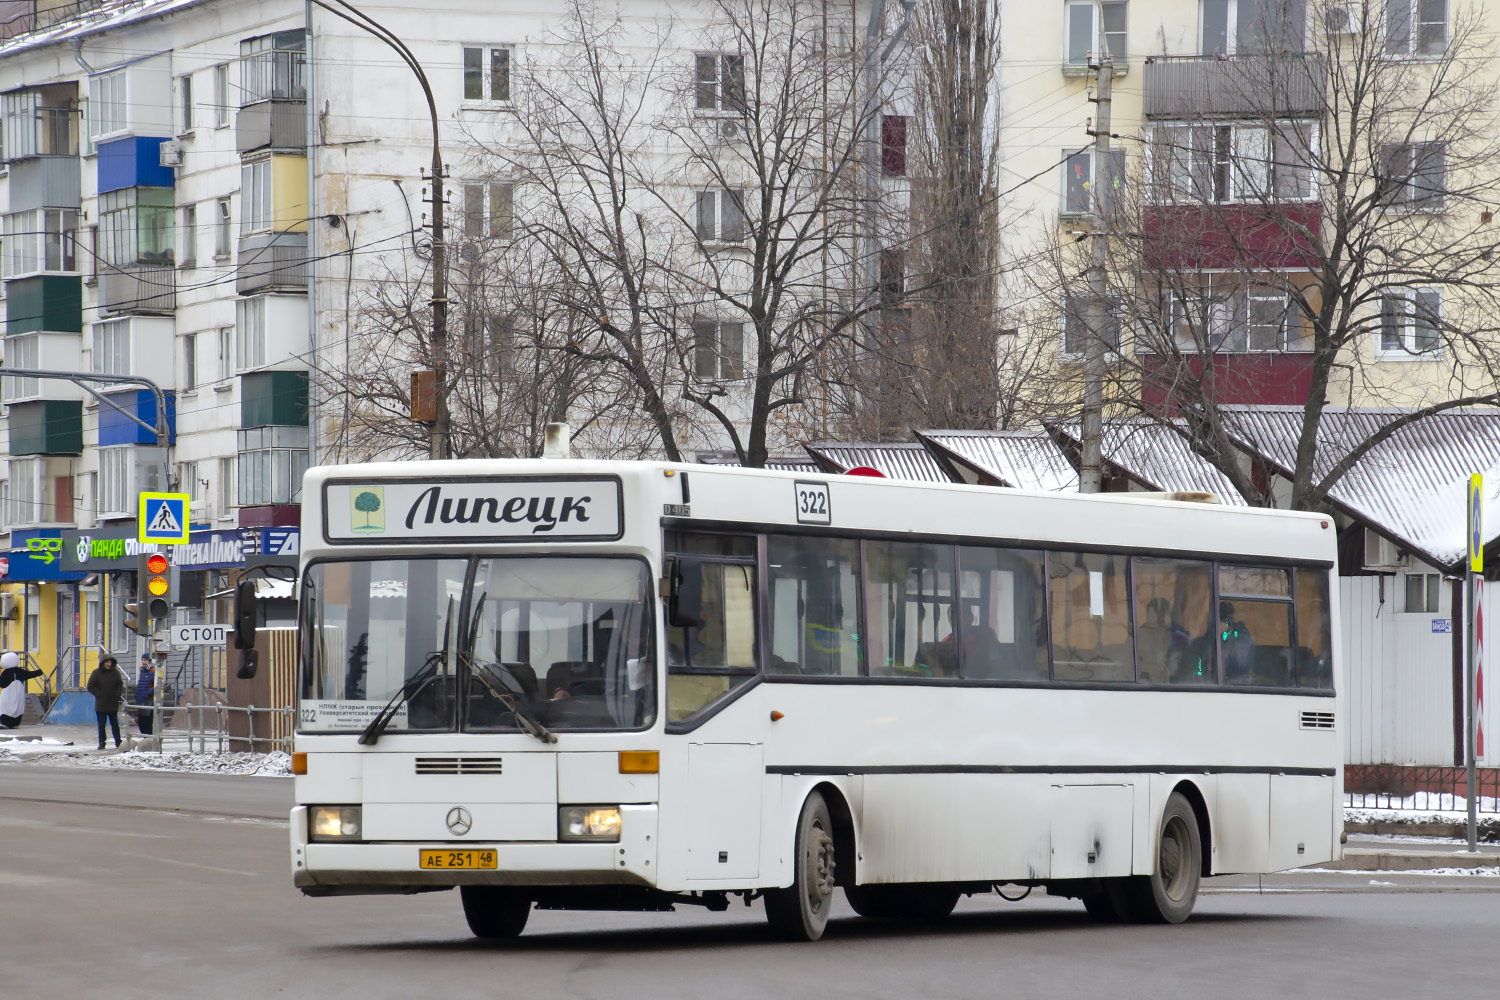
(410,689)
(527,722)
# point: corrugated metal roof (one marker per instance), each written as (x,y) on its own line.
(1409,487)
(894,459)
(780,463)
(1158,457)
(1028,460)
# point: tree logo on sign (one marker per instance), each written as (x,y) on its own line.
(368,503)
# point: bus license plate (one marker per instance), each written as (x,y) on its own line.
(458,859)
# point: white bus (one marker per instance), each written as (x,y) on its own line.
(606,685)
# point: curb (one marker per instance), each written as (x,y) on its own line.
(1489,829)
(1405,861)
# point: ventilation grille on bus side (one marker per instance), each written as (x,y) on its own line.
(459,765)
(1317,720)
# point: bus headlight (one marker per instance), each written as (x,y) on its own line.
(333,822)
(596,823)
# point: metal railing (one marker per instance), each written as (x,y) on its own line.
(212,722)
(1418,789)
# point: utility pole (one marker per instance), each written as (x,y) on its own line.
(1091,467)
(439,444)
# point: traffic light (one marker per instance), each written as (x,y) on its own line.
(133,620)
(153,587)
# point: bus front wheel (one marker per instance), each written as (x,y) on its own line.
(800,912)
(1167,895)
(495,912)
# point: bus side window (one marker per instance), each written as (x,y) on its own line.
(1314,662)
(1091,638)
(1174,640)
(710,660)
(1004,628)
(910,610)
(814,595)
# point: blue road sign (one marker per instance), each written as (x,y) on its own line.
(162,518)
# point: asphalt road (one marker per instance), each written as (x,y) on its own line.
(177,886)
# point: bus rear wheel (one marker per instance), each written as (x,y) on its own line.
(495,912)
(1167,895)
(800,912)
(915,904)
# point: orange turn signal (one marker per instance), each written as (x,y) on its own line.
(639,762)
(299,763)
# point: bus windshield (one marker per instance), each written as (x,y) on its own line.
(565,642)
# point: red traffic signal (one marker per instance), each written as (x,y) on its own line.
(156,563)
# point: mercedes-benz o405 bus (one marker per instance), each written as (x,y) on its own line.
(609,685)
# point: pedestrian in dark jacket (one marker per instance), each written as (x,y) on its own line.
(145,695)
(107,685)
(13,678)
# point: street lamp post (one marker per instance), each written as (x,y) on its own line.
(440,444)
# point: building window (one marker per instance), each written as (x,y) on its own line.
(25,489)
(721,216)
(22,351)
(1412,175)
(1416,27)
(136,226)
(223,230)
(189,379)
(226,353)
(1243,26)
(108,103)
(112,347)
(1209,318)
(1077,332)
(44,239)
(226,486)
(257,203)
(1083,30)
(250,321)
(1203,164)
(114,480)
(1411,322)
(38,122)
(271,463)
(718,349)
(487,73)
(1274,324)
(185,92)
(189,235)
(221,95)
(892,277)
(1081,186)
(1423,593)
(719,82)
(893,145)
(272,68)
(187,481)
(489,212)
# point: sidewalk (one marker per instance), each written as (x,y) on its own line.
(32,739)
(1367,852)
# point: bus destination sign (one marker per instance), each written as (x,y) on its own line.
(499,510)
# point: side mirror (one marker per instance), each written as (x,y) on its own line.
(685,593)
(246,617)
(249,663)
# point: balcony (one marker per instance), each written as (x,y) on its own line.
(138,288)
(271,262)
(133,162)
(1191,87)
(50,302)
(276,124)
(276,399)
(115,428)
(45,182)
(47,427)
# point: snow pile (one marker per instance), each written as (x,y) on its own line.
(264,764)
(21,749)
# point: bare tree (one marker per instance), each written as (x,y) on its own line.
(1306,214)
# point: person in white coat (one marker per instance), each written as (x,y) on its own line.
(13,678)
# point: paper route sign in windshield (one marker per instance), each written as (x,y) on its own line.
(509,510)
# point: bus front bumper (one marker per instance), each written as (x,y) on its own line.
(387,867)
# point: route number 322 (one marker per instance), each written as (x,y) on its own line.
(812,504)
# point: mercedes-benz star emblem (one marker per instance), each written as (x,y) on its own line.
(459,821)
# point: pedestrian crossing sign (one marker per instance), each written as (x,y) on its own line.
(162,518)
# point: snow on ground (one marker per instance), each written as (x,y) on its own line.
(60,753)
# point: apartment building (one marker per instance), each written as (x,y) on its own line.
(1220,111)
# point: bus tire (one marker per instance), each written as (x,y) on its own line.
(800,911)
(1167,895)
(495,912)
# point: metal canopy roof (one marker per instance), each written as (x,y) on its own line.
(1157,457)
(894,459)
(1028,460)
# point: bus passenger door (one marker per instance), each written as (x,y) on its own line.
(723,818)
